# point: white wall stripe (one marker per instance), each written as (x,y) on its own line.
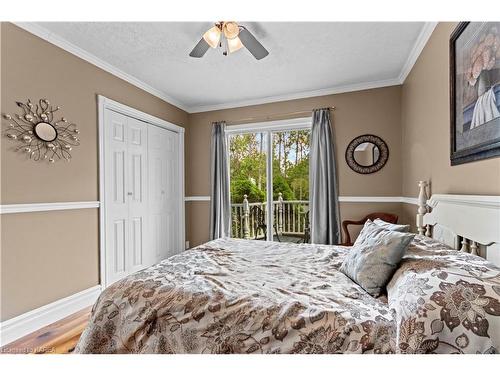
(382,199)
(352,199)
(38,207)
(409,200)
(198,198)
(60,206)
(33,320)
(346,199)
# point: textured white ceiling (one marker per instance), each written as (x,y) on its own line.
(303,57)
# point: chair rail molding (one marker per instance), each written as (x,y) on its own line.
(40,207)
(197,198)
(377,199)
(342,199)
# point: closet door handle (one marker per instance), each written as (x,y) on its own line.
(129,193)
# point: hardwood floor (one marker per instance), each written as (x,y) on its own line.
(58,338)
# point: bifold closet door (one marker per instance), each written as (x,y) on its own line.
(138,194)
(126,195)
(163,169)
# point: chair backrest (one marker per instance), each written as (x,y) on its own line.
(390,218)
(259,215)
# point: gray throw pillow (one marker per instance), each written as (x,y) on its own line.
(374,257)
(390,226)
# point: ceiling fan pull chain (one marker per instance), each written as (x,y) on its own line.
(225,47)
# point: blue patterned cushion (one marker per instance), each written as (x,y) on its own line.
(375,256)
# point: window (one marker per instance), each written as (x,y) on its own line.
(269,167)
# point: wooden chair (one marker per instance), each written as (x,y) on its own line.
(307,228)
(260,222)
(390,218)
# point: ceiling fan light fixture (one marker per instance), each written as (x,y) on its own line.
(212,36)
(231,30)
(234,44)
(231,37)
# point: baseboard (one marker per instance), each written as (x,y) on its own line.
(22,325)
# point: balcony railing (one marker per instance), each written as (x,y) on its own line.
(290,218)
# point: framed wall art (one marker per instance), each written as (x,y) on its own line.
(475,92)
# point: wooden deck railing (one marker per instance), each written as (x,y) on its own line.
(289,217)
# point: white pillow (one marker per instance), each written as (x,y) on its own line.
(390,226)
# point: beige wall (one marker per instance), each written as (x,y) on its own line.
(426,129)
(47,256)
(374,111)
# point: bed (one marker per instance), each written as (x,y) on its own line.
(243,296)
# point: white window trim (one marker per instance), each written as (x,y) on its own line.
(268,128)
(274,126)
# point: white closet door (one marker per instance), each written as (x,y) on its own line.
(141,195)
(163,203)
(117,213)
(137,194)
(172,194)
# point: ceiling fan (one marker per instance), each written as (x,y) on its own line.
(232,37)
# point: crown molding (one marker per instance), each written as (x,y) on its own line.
(299,95)
(416,50)
(418,46)
(60,42)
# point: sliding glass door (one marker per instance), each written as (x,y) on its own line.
(248,179)
(269,177)
(291,184)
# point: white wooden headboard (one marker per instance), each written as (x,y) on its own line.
(467,222)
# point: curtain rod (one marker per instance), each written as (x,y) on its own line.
(271,117)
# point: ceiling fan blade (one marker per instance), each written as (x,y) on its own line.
(200,49)
(256,49)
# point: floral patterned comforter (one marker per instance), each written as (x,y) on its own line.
(240,296)
(445,301)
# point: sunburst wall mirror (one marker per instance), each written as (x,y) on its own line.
(39,134)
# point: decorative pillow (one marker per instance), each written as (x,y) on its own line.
(390,226)
(375,256)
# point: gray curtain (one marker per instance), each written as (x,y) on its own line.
(323,188)
(220,205)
